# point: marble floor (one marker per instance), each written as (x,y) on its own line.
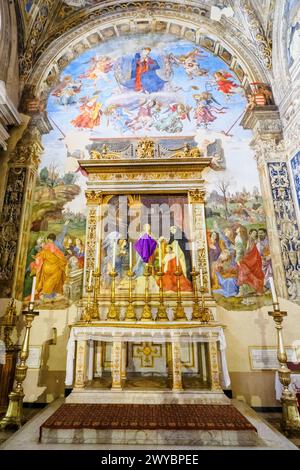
(27,437)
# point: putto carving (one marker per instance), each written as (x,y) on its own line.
(187,152)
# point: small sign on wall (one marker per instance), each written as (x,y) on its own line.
(34,358)
(265,357)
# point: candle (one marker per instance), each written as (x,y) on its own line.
(274,295)
(114,255)
(90,278)
(130,255)
(33,289)
(177,254)
(201,277)
(159,253)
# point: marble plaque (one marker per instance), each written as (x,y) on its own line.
(266,358)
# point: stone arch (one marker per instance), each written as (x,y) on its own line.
(225,41)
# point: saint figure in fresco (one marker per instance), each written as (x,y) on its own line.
(178,236)
(143,73)
(169,279)
(50,268)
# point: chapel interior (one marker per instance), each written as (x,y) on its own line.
(149,224)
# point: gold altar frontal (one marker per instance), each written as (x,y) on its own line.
(154,315)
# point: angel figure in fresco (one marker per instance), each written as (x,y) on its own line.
(99,68)
(205,109)
(190,64)
(224,84)
(67,90)
(90,115)
(143,76)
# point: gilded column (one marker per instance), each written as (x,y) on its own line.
(214,371)
(81,361)
(169,360)
(116,365)
(15,219)
(124,361)
(196,199)
(176,362)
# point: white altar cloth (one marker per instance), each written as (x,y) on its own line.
(107,333)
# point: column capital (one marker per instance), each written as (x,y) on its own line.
(263,121)
(196,196)
(93,197)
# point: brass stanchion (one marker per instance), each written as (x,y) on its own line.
(130,313)
(290,412)
(14,413)
(113,312)
(161,312)
(146,315)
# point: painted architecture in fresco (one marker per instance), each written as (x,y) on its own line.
(170,90)
(293,38)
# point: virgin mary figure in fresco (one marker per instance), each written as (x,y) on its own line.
(143,73)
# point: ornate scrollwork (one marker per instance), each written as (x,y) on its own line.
(145,149)
(105,154)
(187,152)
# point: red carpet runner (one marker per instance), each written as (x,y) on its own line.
(129,416)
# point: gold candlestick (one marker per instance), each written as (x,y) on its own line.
(146,315)
(196,314)
(290,412)
(88,311)
(179,311)
(14,413)
(95,314)
(205,313)
(8,323)
(130,313)
(161,312)
(113,313)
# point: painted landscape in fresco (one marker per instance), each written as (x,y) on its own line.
(155,86)
(238,246)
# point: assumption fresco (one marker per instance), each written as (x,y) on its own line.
(164,88)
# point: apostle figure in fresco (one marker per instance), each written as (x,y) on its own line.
(264,251)
(50,269)
(143,73)
(250,269)
(90,115)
